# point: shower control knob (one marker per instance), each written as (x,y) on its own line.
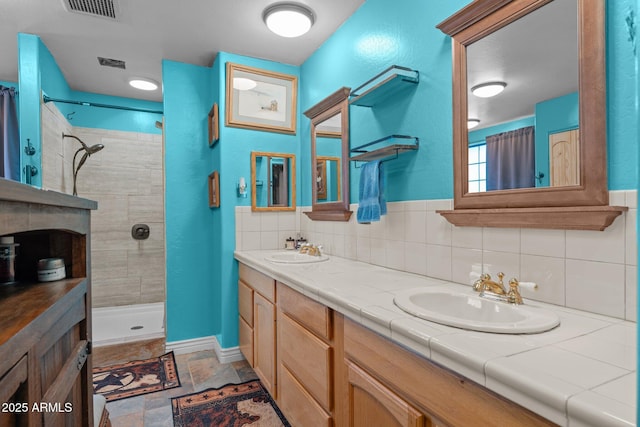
(140,231)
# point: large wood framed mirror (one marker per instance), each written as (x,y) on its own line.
(273,181)
(549,57)
(330,157)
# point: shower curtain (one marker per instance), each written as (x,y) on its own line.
(511,159)
(9,135)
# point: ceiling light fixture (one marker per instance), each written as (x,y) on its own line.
(471,123)
(288,19)
(487,90)
(143,83)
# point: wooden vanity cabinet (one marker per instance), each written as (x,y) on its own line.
(305,359)
(400,387)
(45,328)
(329,371)
(257,324)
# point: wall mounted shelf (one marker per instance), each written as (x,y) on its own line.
(388,82)
(387,148)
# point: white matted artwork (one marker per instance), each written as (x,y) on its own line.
(261,100)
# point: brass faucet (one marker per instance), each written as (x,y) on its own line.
(496,290)
(311,250)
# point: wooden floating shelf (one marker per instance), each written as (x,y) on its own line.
(568,218)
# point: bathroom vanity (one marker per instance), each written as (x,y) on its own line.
(341,353)
(45,328)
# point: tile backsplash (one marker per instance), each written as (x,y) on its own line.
(594,271)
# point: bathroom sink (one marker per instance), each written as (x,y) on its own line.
(471,312)
(295,258)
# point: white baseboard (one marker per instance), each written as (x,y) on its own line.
(228,355)
(224,355)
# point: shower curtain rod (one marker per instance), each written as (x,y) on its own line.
(46,99)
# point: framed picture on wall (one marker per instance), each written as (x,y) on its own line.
(261,100)
(213,125)
(214,190)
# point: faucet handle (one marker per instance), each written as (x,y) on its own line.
(514,290)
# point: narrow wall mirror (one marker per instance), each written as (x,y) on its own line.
(547,57)
(273,182)
(329,157)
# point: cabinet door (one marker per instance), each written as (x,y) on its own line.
(371,404)
(245,333)
(264,342)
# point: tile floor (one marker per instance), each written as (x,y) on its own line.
(198,371)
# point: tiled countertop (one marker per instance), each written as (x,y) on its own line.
(582,373)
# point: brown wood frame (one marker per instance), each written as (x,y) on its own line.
(214,190)
(214,131)
(291,176)
(337,102)
(292,99)
(496,208)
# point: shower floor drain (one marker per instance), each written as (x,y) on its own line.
(135,328)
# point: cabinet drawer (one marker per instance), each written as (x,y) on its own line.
(246,340)
(307,357)
(245,302)
(261,283)
(314,316)
(300,409)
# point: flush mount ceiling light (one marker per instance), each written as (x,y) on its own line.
(487,90)
(288,19)
(243,83)
(143,83)
(471,123)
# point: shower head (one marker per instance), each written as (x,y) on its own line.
(87,152)
(94,148)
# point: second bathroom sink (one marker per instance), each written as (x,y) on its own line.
(471,312)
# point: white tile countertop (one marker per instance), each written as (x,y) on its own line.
(582,373)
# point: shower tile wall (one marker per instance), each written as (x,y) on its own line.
(57,153)
(126,179)
(594,271)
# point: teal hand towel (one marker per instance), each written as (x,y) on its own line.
(372,201)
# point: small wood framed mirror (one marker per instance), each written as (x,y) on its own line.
(330,157)
(273,181)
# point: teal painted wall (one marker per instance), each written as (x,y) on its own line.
(29,88)
(193,300)
(552,116)
(234,155)
(379,34)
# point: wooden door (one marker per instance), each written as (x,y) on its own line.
(564,158)
(264,342)
(371,404)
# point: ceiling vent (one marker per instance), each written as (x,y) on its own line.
(101,8)
(109,62)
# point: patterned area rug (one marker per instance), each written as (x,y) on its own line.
(232,405)
(136,378)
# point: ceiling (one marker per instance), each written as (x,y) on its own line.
(147,31)
(537,56)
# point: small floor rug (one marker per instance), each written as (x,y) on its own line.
(136,378)
(232,405)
